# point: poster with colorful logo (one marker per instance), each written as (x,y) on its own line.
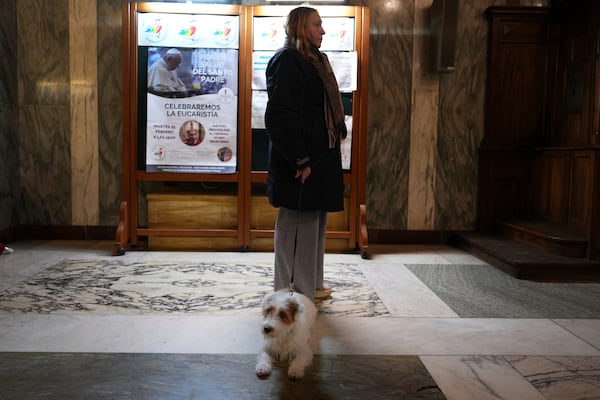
(269,33)
(188,30)
(192,92)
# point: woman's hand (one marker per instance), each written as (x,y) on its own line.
(303,174)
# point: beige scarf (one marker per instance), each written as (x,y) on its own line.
(334,109)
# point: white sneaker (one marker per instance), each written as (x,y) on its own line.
(7,250)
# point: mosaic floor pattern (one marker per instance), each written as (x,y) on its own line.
(108,286)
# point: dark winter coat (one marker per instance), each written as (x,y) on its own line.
(295,123)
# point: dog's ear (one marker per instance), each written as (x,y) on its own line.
(268,301)
(267,305)
(293,307)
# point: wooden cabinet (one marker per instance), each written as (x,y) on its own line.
(539,158)
(519,51)
(226,210)
(518,59)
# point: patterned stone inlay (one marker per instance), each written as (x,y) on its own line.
(107,286)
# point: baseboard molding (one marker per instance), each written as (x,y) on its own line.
(398,236)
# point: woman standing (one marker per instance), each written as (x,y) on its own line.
(305,123)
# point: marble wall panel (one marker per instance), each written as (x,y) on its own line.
(43,51)
(461,121)
(44,165)
(44,113)
(443,165)
(388,139)
(83,73)
(9,161)
(423,161)
(423,129)
(109,111)
(110,161)
(8,61)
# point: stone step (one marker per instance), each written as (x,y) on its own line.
(555,238)
(524,261)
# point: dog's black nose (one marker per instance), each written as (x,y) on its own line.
(267,329)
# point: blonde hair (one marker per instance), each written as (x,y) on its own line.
(295,28)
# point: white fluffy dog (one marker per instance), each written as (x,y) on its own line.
(287,320)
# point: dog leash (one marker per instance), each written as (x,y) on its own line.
(291,286)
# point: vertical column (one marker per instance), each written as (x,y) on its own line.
(9,120)
(423,130)
(83,56)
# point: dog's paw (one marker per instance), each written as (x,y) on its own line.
(295,373)
(263,370)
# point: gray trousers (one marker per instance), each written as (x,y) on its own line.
(302,233)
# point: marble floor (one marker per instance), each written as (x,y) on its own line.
(419,348)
